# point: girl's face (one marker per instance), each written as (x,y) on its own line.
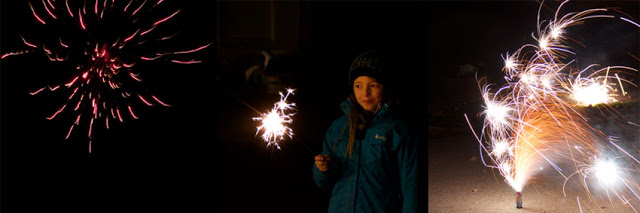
(368,92)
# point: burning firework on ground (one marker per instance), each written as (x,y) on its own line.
(102,42)
(538,118)
(275,122)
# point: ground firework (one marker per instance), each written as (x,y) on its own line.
(537,119)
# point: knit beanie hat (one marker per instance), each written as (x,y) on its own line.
(369,63)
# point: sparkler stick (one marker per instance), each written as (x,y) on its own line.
(246,104)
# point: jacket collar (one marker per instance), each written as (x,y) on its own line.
(383,112)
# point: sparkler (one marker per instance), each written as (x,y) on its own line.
(535,119)
(106,40)
(274,122)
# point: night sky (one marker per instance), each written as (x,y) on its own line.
(162,161)
(201,153)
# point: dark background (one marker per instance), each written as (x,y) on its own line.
(162,161)
(202,153)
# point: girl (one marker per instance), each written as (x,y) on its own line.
(369,157)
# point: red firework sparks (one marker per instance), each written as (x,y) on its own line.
(104,40)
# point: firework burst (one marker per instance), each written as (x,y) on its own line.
(101,43)
(536,119)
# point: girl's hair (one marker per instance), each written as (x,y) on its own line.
(357,122)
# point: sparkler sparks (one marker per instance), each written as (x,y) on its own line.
(275,122)
(105,41)
(536,119)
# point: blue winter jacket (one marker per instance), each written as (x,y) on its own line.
(381,174)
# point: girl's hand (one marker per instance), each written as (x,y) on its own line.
(322,162)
